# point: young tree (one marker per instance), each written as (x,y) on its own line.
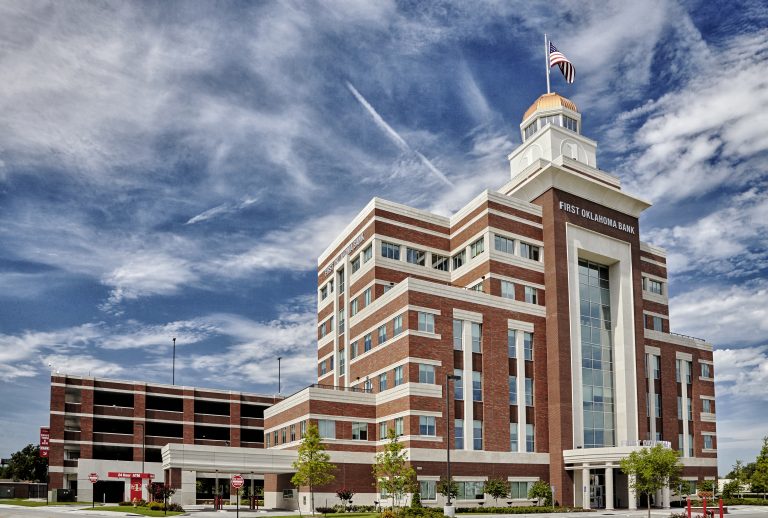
(651,469)
(497,488)
(759,479)
(345,495)
(444,487)
(542,492)
(391,471)
(313,467)
(26,464)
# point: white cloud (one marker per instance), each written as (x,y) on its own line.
(224,208)
(742,372)
(83,365)
(28,344)
(145,274)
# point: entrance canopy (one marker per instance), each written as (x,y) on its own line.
(225,459)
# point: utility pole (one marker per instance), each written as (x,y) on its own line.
(173,370)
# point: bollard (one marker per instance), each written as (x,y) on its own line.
(689,507)
(704,507)
(720,503)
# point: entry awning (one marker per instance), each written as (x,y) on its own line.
(226,459)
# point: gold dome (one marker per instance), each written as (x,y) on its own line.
(550,102)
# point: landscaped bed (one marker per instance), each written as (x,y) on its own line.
(145,511)
(35,503)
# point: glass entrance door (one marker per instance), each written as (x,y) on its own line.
(597,490)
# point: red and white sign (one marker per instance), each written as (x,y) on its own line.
(125,474)
(93,477)
(45,440)
(237,481)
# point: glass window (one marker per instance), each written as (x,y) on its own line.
(706,370)
(529,251)
(440,262)
(367,296)
(383,430)
(398,375)
(570,123)
(382,381)
(530,442)
(706,406)
(323,332)
(471,490)
(266,440)
(368,385)
(513,437)
(459,259)
(398,325)
(327,428)
(390,250)
(690,445)
(477,386)
(341,321)
(655,366)
(382,334)
(678,366)
(656,323)
(426,374)
(414,256)
(513,390)
(477,287)
(427,425)
(426,322)
(690,408)
(549,119)
(428,489)
(458,335)
(531,295)
(680,407)
(367,253)
(507,290)
(528,391)
(293,432)
(283,435)
(708,443)
(341,362)
(330,286)
(458,386)
(655,286)
(303,428)
(530,130)
(360,431)
(353,308)
(511,343)
(367,342)
(353,350)
(477,337)
(341,280)
(322,367)
(355,264)
(324,292)
(477,435)
(477,248)
(528,345)
(688,371)
(458,433)
(399,426)
(519,490)
(504,244)
(330,360)
(658,405)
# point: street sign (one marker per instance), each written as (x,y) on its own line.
(93,477)
(45,439)
(237,481)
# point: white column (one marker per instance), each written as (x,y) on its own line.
(521,417)
(650,361)
(585,503)
(469,412)
(608,488)
(665,493)
(632,494)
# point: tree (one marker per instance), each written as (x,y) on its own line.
(345,495)
(707,488)
(497,488)
(651,469)
(731,489)
(313,466)
(416,501)
(444,487)
(759,479)
(26,464)
(542,492)
(391,471)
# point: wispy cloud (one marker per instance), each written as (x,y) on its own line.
(223,209)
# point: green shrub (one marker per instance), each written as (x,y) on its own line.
(416,501)
(419,512)
(173,506)
(156,506)
(517,510)
(743,501)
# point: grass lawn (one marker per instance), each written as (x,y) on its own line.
(35,503)
(134,510)
(333,515)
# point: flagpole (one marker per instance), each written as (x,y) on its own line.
(546,58)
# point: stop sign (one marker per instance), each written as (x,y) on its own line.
(237,481)
(93,477)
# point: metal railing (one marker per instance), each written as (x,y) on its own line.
(694,338)
(340,388)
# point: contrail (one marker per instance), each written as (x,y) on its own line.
(395,136)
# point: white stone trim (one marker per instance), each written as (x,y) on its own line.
(707,362)
(516,219)
(652,314)
(516,260)
(683,356)
(649,349)
(471,316)
(424,334)
(412,227)
(496,197)
(678,340)
(516,281)
(478,456)
(519,325)
(654,297)
(657,263)
(653,249)
(422,309)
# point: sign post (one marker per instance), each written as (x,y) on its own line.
(237,483)
(45,449)
(93,477)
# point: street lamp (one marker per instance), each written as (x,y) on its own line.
(143,452)
(278,375)
(448,511)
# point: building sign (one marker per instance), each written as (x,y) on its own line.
(647,443)
(125,474)
(348,250)
(45,441)
(599,218)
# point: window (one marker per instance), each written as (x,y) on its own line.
(528,345)
(458,434)
(458,386)
(398,325)
(383,430)
(531,295)
(324,292)
(458,335)
(353,308)
(477,435)
(388,287)
(341,362)
(439,262)
(283,435)
(477,386)
(426,374)
(427,425)
(549,119)
(507,290)
(367,342)
(353,350)
(341,321)
(530,130)
(382,381)
(511,343)
(303,428)
(654,366)
(398,375)
(688,372)
(477,337)
(330,361)
(706,370)
(519,490)
(690,445)
(529,251)
(266,441)
(322,330)
(708,443)
(415,256)
(528,391)
(360,431)
(355,264)
(656,323)
(428,489)
(477,248)
(399,426)
(341,280)
(513,437)
(322,367)
(658,405)
(368,385)
(655,287)
(471,490)
(504,244)
(529,438)
(390,251)
(382,334)
(690,408)
(426,322)
(459,259)
(274,438)
(293,432)
(570,124)
(679,407)
(367,296)
(330,286)
(706,406)
(477,287)
(513,390)
(367,253)
(327,428)
(678,368)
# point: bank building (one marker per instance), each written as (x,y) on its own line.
(535,317)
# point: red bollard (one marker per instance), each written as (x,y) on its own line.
(721,507)
(704,507)
(689,507)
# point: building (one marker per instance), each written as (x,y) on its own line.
(543,303)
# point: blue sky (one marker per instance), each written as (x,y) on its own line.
(174,169)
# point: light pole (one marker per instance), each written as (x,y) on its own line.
(278,374)
(449,510)
(173,370)
(143,452)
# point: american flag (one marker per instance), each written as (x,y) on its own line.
(558,58)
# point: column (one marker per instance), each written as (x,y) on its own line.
(608,488)
(632,494)
(585,503)
(466,380)
(665,493)
(521,409)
